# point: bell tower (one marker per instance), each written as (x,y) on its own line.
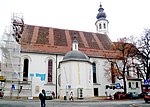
(75,44)
(102,22)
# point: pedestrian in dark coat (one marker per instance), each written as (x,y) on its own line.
(71,96)
(42,97)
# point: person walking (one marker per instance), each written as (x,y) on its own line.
(42,96)
(71,96)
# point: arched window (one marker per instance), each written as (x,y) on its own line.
(94,73)
(128,69)
(25,69)
(113,79)
(75,47)
(104,26)
(100,26)
(59,80)
(50,71)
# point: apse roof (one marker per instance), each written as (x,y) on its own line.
(75,55)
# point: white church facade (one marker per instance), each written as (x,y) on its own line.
(65,61)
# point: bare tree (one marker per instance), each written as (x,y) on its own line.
(125,51)
(144,55)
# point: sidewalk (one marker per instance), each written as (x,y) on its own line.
(57,100)
(93,99)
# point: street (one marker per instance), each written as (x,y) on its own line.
(82,103)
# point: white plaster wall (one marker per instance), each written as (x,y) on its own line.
(102,30)
(77,75)
(0,54)
(38,65)
(103,79)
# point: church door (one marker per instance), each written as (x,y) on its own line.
(95,91)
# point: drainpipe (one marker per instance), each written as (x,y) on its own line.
(56,76)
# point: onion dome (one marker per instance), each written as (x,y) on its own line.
(101,14)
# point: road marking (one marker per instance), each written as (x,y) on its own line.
(134,105)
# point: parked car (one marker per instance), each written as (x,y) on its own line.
(141,95)
(48,95)
(1,93)
(147,97)
(132,95)
(119,95)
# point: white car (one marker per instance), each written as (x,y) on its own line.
(48,95)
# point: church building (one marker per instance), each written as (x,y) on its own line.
(64,61)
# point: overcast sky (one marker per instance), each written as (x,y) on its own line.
(126,17)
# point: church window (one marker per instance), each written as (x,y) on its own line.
(138,74)
(25,69)
(75,46)
(100,26)
(128,70)
(59,80)
(113,73)
(104,26)
(94,73)
(50,69)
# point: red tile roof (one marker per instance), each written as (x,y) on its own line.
(59,41)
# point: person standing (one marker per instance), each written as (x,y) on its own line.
(53,94)
(42,96)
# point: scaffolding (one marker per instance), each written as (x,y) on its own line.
(11,48)
(11,58)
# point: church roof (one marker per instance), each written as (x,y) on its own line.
(59,41)
(75,55)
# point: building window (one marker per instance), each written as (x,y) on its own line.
(59,80)
(128,70)
(104,26)
(94,73)
(113,79)
(137,85)
(138,73)
(25,70)
(75,47)
(129,84)
(50,69)
(100,26)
